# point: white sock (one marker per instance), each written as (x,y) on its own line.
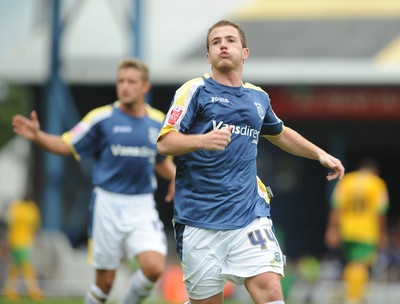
(95,296)
(140,288)
(276,302)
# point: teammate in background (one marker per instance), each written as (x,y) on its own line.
(121,137)
(357,223)
(222,222)
(23,223)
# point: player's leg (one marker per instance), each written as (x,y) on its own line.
(98,292)
(30,277)
(265,288)
(256,260)
(355,277)
(143,280)
(215,299)
(152,264)
(202,253)
(10,289)
(105,249)
(148,243)
(356,272)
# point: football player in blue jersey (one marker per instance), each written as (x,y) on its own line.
(121,137)
(222,222)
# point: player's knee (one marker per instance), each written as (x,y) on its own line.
(270,288)
(274,290)
(106,287)
(153,271)
(105,284)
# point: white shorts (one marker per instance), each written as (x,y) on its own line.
(123,225)
(211,257)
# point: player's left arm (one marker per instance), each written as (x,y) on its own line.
(383,236)
(383,206)
(292,142)
(167,169)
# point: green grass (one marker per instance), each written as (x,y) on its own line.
(77,300)
(23,300)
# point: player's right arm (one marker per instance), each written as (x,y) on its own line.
(30,129)
(175,143)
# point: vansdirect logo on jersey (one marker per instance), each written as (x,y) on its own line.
(239,130)
(119,150)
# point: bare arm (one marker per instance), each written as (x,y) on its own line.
(383,237)
(166,169)
(30,129)
(332,236)
(175,143)
(292,142)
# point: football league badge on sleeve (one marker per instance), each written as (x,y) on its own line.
(176,112)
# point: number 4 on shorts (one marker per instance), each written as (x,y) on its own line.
(257,238)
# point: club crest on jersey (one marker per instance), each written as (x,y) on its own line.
(176,112)
(259,109)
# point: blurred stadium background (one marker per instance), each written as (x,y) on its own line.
(332,69)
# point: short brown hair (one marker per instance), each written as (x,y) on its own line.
(227,23)
(135,64)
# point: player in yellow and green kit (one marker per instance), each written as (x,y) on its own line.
(357,222)
(23,219)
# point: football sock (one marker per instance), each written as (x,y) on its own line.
(10,289)
(140,287)
(276,302)
(95,296)
(31,281)
(355,276)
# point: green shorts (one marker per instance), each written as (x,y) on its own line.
(20,255)
(360,252)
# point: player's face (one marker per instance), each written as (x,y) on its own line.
(226,51)
(131,87)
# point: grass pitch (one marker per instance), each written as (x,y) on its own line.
(77,300)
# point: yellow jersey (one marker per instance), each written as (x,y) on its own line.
(23,222)
(361,197)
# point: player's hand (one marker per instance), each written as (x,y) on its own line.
(332,238)
(171,191)
(334,164)
(28,128)
(217,139)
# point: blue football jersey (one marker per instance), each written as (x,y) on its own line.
(123,147)
(219,189)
